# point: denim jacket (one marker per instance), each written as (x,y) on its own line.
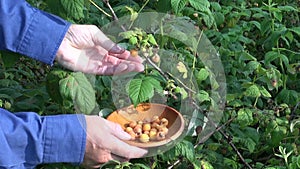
(27,139)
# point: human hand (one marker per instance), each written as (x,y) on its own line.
(104,143)
(87,49)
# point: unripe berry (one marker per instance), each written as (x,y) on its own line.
(155,58)
(146,127)
(128,129)
(144,138)
(152,135)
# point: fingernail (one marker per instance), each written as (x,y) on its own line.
(116,49)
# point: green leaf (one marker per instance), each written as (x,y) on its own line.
(78,88)
(265,92)
(178,5)
(203,96)
(293,124)
(9,58)
(257,24)
(133,13)
(202,5)
(250,144)
(290,97)
(142,89)
(202,74)
(182,69)
(133,40)
(253,91)
(245,56)
(245,117)
(287,8)
(295,30)
(186,149)
(73,8)
(151,39)
(52,85)
(270,56)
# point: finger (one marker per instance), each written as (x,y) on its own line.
(112,65)
(121,148)
(116,50)
(99,159)
(119,158)
(126,55)
(118,131)
(127,151)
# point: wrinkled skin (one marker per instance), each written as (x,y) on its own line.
(86,48)
(104,143)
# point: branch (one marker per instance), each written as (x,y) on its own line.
(219,129)
(100,9)
(115,17)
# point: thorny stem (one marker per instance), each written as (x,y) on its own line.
(115,17)
(219,129)
(226,136)
(100,9)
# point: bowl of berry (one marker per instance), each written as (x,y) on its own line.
(149,124)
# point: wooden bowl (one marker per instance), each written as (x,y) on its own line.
(146,111)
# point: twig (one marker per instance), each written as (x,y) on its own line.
(184,86)
(219,129)
(115,17)
(294,111)
(157,68)
(229,140)
(100,9)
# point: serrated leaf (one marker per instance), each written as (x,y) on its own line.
(133,13)
(202,5)
(133,40)
(77,88)
(295,30)
(288,96)
(9,58)
(265,92)
(142,89)
(253,91)
(73,8)
(245,117)
(151,39)
(52,85)
(287,8)
(178,5)
(186,149)
(202,74)
(203,96)
(182,69)
(257,24)
(183,93)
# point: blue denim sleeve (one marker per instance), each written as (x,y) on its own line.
(27,139)
(29,31)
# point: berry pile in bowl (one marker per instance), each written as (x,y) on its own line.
(149,124)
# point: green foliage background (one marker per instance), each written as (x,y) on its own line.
(258,42)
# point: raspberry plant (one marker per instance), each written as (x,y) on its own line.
(258,43)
